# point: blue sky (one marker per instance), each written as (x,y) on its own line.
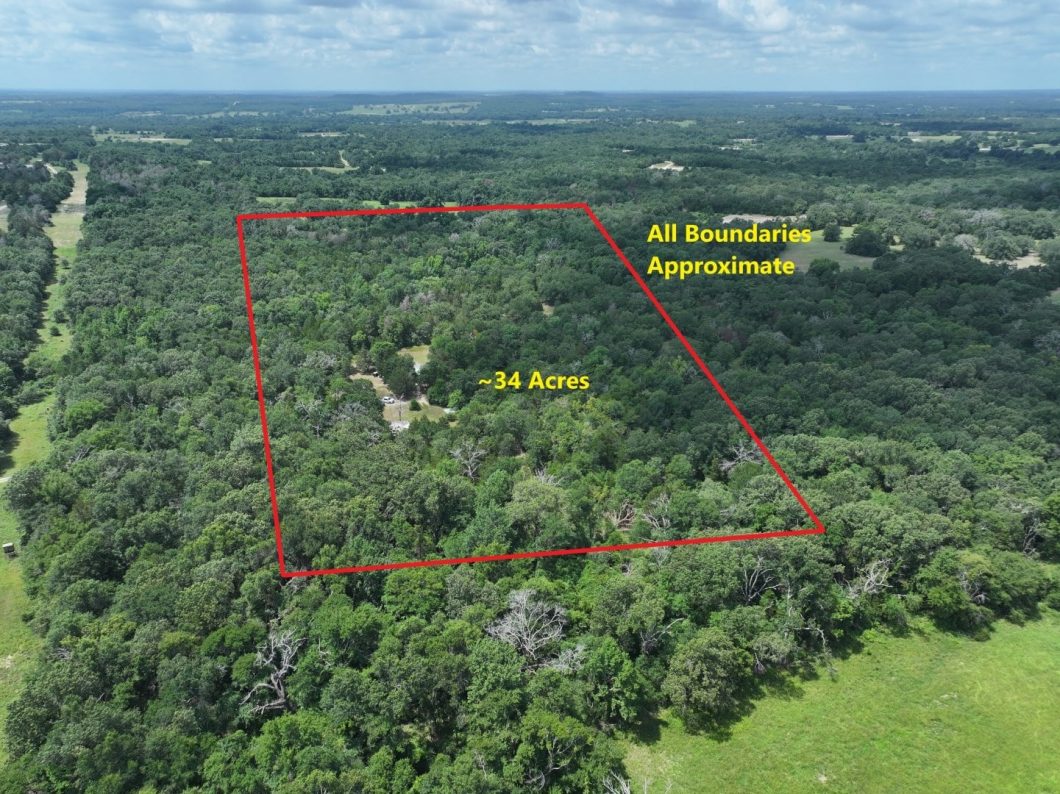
(529,44)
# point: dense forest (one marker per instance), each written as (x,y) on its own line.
(907,379)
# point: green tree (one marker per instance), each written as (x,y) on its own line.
(865,241)
(706,676)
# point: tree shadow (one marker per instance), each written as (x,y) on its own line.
(649,728)
(781,685)
(7,447)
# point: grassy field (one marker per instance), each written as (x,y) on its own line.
(802,254)
(929,712)
(65,232)
(421,354)
(328,169)
(17,643)
(921,138)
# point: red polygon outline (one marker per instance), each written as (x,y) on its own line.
(818,527)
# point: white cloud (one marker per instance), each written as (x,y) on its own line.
(374,44)
(764,16)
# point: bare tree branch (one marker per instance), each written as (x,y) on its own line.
(871,579)
(470,456)
(530,625)
(756,580)
(276,656)
(569,660)
(744,452)
(658,516)
(623,517)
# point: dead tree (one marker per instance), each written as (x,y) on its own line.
(276,656)
(559,753)
(614,783)
(658,516)
(744,452)
(319,359)
(652,636)
(623,517)
(349,411)
(569,660)
(470,456)
(530,626)
(756,580)
(315,415)
(973,587)
(872,579)
(545,477)
(1031,535)
(1032,524)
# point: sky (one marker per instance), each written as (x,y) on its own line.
(490,45)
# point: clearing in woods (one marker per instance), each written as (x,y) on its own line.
(932,711)
(396,411)
(802,254)
(31,445)
(138,137)
(327,169)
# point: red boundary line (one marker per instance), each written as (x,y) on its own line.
(818,527)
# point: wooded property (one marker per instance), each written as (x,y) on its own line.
(906,376)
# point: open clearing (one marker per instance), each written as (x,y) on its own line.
(420,355)
(666,165)
(802,254)
(1032,259)
(758,218)
(399,412)
(19,644)
(921,138)
(929,712)
(79,193)
(330,169)
(138,137)
(17,641)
